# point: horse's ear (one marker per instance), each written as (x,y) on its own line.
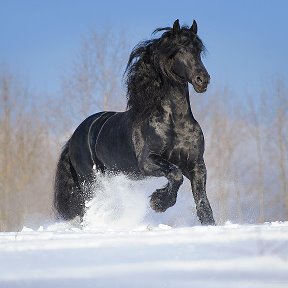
(176,27)
(194,27)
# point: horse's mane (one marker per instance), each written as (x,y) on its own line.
(149,73)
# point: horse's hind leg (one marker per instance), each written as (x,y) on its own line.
(165,197)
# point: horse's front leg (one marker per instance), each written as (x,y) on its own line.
(155,165)
(197,176)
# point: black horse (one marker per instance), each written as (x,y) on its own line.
(157,135)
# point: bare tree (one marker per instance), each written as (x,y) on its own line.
(25,154)
(95,80)
(257,128)
(281,147)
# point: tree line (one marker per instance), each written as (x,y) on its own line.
(246,139)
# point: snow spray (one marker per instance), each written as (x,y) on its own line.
(122,203)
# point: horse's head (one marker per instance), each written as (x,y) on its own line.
(183,52)
(154,65)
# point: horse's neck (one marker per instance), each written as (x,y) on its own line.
(179,103)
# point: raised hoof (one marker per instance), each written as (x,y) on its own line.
(161,200)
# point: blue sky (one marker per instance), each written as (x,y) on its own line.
(247,40)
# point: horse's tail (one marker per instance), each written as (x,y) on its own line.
(67,191)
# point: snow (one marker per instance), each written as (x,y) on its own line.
(123,243)
(161,256)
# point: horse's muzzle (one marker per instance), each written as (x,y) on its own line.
(200,82)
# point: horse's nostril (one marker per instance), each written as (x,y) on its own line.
(199,80)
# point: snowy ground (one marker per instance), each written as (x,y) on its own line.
(124,245)
(224,256)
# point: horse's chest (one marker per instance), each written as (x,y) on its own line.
(188,138)
(183,134)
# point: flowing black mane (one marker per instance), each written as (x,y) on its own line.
(149,73)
